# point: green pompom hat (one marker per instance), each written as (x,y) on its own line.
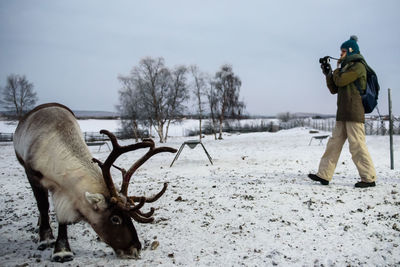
(351,46)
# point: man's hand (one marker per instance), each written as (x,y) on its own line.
(326,68)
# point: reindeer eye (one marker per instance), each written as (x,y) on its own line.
(116,219)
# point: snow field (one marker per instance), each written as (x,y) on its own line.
(255,207)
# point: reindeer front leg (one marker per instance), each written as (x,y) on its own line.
(62,252)
(46,238)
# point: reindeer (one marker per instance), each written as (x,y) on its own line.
(50,146)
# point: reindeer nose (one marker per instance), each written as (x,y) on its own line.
(131,253)
(135,253)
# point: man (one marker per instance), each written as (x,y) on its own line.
(344,81)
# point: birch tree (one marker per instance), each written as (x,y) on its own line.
(152,78)
(160,93)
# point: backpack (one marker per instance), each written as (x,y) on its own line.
(370,96)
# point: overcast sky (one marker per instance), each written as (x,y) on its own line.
(73,51)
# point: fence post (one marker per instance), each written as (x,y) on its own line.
(391,128)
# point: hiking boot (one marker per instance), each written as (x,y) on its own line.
(364,184)
(318,179)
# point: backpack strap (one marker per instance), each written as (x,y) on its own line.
(357,82)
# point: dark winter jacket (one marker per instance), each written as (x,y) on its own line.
(344,81)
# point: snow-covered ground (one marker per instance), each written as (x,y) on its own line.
(254,207)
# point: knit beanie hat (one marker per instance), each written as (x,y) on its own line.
(351,46)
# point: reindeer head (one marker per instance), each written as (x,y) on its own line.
(116,227)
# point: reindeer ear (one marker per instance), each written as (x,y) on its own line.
(97,201)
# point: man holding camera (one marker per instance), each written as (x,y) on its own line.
(344,81)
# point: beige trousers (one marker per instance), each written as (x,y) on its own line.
(354,132)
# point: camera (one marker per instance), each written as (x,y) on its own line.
(325,64)
(324,60)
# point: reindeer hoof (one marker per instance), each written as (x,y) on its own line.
(62,256)
(46,244)
(46,239)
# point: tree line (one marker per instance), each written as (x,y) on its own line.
(154,95)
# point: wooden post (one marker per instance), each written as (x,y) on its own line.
(391,128)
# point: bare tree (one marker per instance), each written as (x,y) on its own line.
(159,93)
(199,88)
(212,98)
(227,85)
(18,95)
(130,107)
(177,96)
(152,79)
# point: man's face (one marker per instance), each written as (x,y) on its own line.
(343,53)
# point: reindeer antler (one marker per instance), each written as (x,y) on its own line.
(115,153)
(146,217)
(152,151)
(129,204)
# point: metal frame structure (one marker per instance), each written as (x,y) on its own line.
(192,144)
